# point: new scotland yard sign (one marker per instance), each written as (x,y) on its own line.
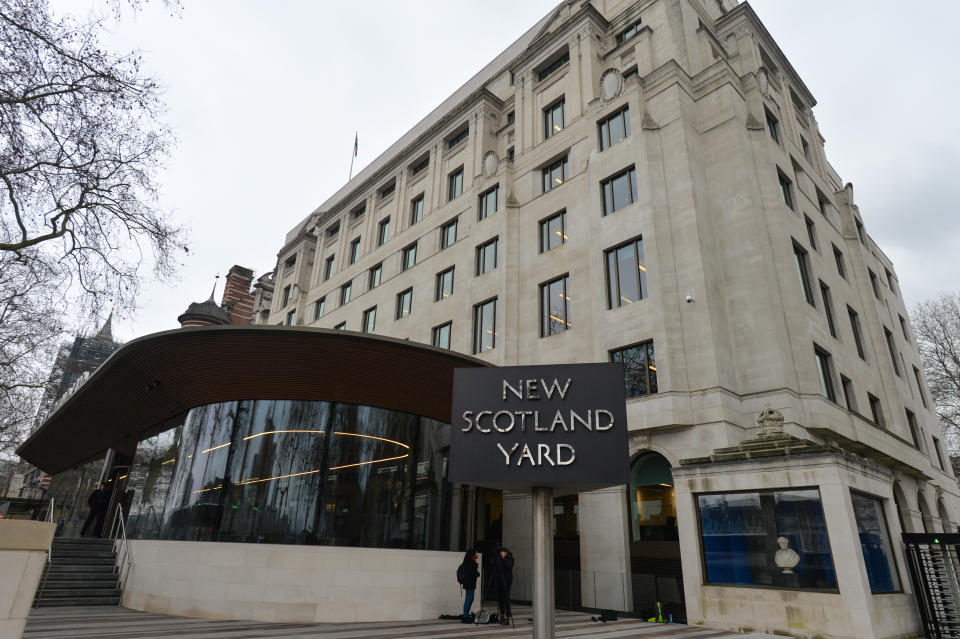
(561,426)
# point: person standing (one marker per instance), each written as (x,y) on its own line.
(503,574)
(467,574)
(98,502)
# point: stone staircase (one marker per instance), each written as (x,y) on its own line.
(82,572)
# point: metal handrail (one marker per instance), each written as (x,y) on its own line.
(118,531)
(46,573)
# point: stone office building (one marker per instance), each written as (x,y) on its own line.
(633,181)
(645,182)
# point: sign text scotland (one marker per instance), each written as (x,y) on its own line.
(522,426)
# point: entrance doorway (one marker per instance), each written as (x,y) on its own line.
(654,541)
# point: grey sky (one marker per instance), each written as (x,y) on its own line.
(265,98)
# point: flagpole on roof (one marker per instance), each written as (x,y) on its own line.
(353,156)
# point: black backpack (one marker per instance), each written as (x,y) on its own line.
(461,573)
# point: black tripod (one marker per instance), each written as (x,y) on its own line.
(485,582)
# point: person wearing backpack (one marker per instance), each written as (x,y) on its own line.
(467,575)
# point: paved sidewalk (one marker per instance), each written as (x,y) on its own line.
(113,622)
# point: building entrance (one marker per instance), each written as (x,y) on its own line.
(654,542)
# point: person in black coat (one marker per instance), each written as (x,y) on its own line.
(98,502)
(470,573)
(503,577)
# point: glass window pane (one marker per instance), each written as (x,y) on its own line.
(613,286)
(776,539)
(651,368)
(627,267)
(621,191)
(875,543)
(607,198)
(616,129)
(626,122)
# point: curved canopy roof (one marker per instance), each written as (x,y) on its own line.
(148,384)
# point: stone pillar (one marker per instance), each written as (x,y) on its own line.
(518,537)
(605,580)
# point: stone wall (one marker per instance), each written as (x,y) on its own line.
(274,582)
(23,554)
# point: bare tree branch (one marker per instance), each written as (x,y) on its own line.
(936,324)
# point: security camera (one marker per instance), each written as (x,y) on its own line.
(689,298)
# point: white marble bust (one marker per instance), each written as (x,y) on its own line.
(786,558)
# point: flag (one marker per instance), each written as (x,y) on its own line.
(355,140)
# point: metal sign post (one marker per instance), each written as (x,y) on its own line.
(552,430)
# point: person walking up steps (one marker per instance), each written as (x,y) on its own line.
(467,575)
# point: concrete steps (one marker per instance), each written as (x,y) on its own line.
(82,572)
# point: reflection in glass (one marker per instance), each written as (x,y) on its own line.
(626,274)
(485,326)
(619,191)
(875,543)
(70,490)
(741,532)
(555,307)
(295,472)
(639,368)
(653,512)
(553,231)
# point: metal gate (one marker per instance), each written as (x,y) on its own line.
(934,562)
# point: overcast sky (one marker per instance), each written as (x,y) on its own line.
(265,98)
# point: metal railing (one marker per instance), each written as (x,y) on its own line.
(118,532)
(46,573)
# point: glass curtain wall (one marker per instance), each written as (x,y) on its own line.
(70,491)
(295,472)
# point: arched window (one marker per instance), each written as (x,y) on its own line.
(653,511)
(924,513)
(944,517)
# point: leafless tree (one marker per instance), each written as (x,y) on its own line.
(936,324)
(81,143)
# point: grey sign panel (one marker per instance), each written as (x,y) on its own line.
(561,426)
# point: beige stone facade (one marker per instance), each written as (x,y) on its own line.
(731,185)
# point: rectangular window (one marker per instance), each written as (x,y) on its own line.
(811,233)
(860,233)
(773,125)
(441,335)
(409,257)
(404,303)
(290,262)
(458,137)
(420,166)
(319,307)
(614,128)
(875,543)
(455,184)
(822,203)
(786,189)
(376,273)
(485,326)
(354,250)
(914,427)
(747,536)
(556,174)
(893,289)
(938,452)
(333,230)
(619,191)
(286,296)
(345,293)
(555,306)
(488,203)
(874,284)
(511,117)
(626,274)
(553,118)
(383,231)
(511,154)
(487,256)
(369,320)
(444,284)
(806,150)
(358,212)
(903,329)
(639,368)
(855,327)
(849,396)
(803,270)
(328,268)
(923,396)
(841,267)
(888,336)
(388,190)
(448,234)
(553,231)
(876,412)
(416,209)
(628,33)
(828,308)
(553,65)
(342,326)
(825,372)
(291,318)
